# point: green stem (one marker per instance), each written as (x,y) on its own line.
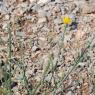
(9,56)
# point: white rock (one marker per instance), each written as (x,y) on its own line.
(42,38)
(34,48)
(19,33)
(43,1)
(48,78)
(41,20)
(82,64)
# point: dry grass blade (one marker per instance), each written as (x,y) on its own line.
(78,59)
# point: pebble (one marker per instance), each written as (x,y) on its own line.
(81,64)
(43,1)
(35,48)
(48,78)
(20,33)
(41,20)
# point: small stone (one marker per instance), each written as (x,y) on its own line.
(48,78)
(41,20)
(35,48)
(81,64)
(43,1)
(42,38)
(19,33)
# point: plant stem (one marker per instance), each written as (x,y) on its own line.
(9,57)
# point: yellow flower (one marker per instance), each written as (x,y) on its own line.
(67,20)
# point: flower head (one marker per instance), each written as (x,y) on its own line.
(67,20)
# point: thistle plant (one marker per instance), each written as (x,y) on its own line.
(66,21)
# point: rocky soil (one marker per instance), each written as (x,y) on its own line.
(36,40)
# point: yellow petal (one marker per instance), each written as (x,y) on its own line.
(67,20)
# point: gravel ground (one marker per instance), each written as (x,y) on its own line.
(37,30)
